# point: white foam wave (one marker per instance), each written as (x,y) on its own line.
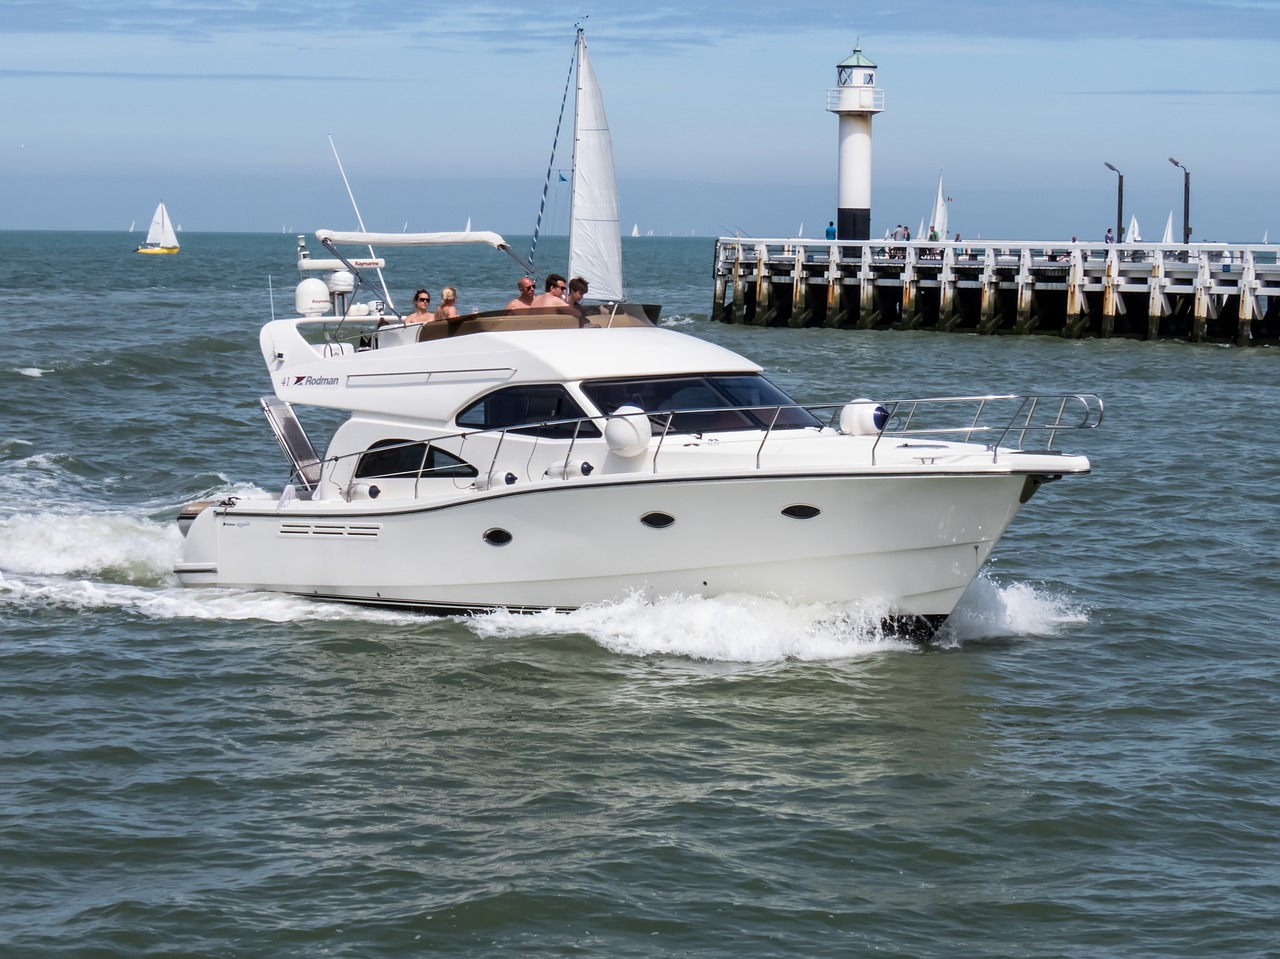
(749,629)
(677,319)
(113,546)
(31,371)
(177,603)
(988,610)
(744,629)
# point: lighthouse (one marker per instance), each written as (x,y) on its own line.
(855,100)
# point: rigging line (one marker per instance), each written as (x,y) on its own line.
(386,294)
(537,226)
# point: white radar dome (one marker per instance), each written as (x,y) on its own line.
(311,298)
(863,417)
(341,281)
(628,431)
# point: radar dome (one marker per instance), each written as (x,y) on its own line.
(311,298)
(628,431)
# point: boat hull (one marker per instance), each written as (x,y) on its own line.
(910,542)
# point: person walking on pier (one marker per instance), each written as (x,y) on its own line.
(831,230)
(1110,237)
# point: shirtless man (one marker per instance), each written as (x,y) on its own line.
(525,300)
(554,295)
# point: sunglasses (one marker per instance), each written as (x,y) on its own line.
(424,299)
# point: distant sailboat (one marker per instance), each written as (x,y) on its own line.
(161,238)
(132,225)
(635,229)
(1168,230)
(1132,235)
(938,218)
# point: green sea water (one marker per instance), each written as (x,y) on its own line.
(1087,764)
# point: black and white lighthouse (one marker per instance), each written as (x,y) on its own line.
(855,100)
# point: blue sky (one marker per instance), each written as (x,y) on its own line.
(444,112)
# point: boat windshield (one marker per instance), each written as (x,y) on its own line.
(704,402)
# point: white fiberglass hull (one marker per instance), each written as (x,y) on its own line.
(915,541)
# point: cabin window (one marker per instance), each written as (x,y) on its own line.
(704,402)
(538,410)
(391,459)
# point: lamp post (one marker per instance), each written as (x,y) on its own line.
(1186,201)
(1119,200)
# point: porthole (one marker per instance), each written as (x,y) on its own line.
(497,537)
(801,511)
(657,520)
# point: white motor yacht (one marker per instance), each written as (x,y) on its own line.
(549,459)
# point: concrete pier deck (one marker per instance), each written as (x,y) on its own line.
(1202,292)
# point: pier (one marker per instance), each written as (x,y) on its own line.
(1200,292)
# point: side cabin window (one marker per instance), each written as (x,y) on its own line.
(704,403)
(543,411)
(397,459)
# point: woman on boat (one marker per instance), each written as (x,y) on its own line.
(448,304)
(421,308)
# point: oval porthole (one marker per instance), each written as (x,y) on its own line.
(657,520)
(497,537)
(801,511)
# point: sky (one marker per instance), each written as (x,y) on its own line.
(442,113)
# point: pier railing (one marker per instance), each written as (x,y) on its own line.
(1200,291)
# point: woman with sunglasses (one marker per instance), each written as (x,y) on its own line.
(421,308)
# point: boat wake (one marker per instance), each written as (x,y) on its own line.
(751,629)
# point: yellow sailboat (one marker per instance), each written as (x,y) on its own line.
(161,238)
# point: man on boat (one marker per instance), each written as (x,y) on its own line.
(554,295)
(525,300)
(577,290)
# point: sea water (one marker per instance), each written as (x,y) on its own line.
(1086,764)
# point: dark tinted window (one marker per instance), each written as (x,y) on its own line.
(531,406)
(710,401)
(399,458)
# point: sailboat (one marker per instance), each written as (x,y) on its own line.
(938,218)
(595,237)
(161,238)
(635,229)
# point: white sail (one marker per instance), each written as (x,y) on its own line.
(161,232)
(595,238)
(1168,230)
(938,219)
(635,229)
(1132,235)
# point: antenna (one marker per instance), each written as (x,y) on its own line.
(360,221)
